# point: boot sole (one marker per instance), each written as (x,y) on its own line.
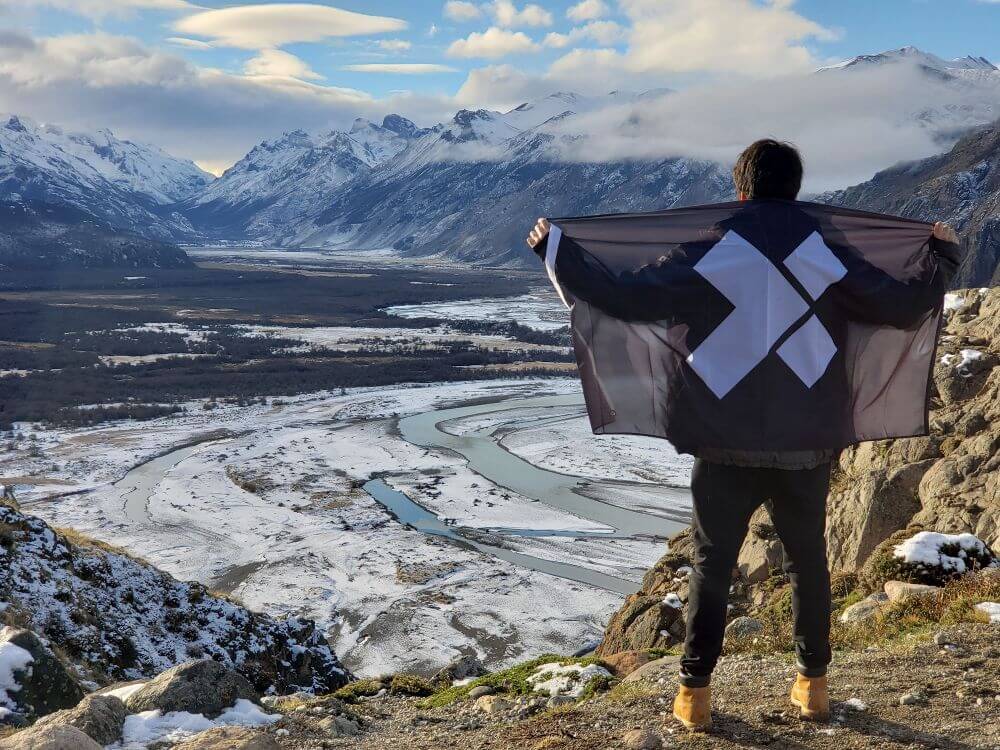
(693,726)
(805,713)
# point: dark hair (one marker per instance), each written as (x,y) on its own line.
(769,169)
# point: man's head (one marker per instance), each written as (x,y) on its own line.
(768,169)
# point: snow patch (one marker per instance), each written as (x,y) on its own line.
(569,679)
(672,600)
(151,727)
(123,693)
(962,360)
(927,548)
(856,704)
(13,659)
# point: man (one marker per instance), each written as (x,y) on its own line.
(728,484)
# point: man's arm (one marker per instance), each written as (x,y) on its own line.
(657,291)
(870,295)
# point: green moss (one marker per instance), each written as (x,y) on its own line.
(595,686)
(513,681)
(409,684)
(358,689)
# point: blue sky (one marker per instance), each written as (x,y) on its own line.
(209,78)
(948,28)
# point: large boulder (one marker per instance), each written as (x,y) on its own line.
(198,687)
(230,738)
(53,737)
(43,684)
(762,552)
(100,717)
(644,622)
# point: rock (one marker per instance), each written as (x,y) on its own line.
(560,700)
(341,726)
(642,739)
(493,704)
(45,684)
(230,738)
(911,699)
(941,639)
(101,717)
(743,627)
(664,668)
(462,668)
(861,611)
(626,662)
(54,737)
(761,551)
(644,622)
(897,590)
(198,687)
(480,690)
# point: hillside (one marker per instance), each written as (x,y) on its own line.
(961,187)
(43,237)
(115,618)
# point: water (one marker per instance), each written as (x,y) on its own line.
(413,515)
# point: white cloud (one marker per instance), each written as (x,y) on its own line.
(101,8)
(98,80)
(189,43)
(601,32)
(461,11)
(394,45)
(719,36)
(492,43)
(273,25)
(509,16)
(400,68)
(276,62)
(587,10)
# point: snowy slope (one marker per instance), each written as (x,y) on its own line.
(120,183)
(970,67)
(282,180)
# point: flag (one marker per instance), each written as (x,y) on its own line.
(762,325)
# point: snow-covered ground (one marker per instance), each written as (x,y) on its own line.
(540,310)
(267,505)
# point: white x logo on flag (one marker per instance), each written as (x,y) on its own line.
(766,307)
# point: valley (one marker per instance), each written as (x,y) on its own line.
(398,453)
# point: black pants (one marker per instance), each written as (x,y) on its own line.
(724,499)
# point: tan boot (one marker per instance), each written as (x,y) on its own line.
(810,694)
(693,708)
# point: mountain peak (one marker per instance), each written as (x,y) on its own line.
(916,56)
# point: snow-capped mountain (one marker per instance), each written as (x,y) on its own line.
(291,177)
(124,184)
(969,67)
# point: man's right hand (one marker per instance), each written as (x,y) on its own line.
(539,233)
(945,233)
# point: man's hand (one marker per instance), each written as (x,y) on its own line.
(539,233)
(945,233)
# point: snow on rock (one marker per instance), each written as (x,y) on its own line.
(565,679)
(962,360)
(856,704)
(948,552)
(672,600)
(121,617)
(13,659)
(153,727)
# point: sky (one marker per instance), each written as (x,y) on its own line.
(208,80)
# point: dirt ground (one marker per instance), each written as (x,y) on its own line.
(957,688)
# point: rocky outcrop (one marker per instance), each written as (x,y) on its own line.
(117,618)
(948,481)
(230,738)
(54,737)
(100,717)
(43,684)
(203,687)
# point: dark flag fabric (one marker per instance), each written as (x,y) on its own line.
(760,325)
